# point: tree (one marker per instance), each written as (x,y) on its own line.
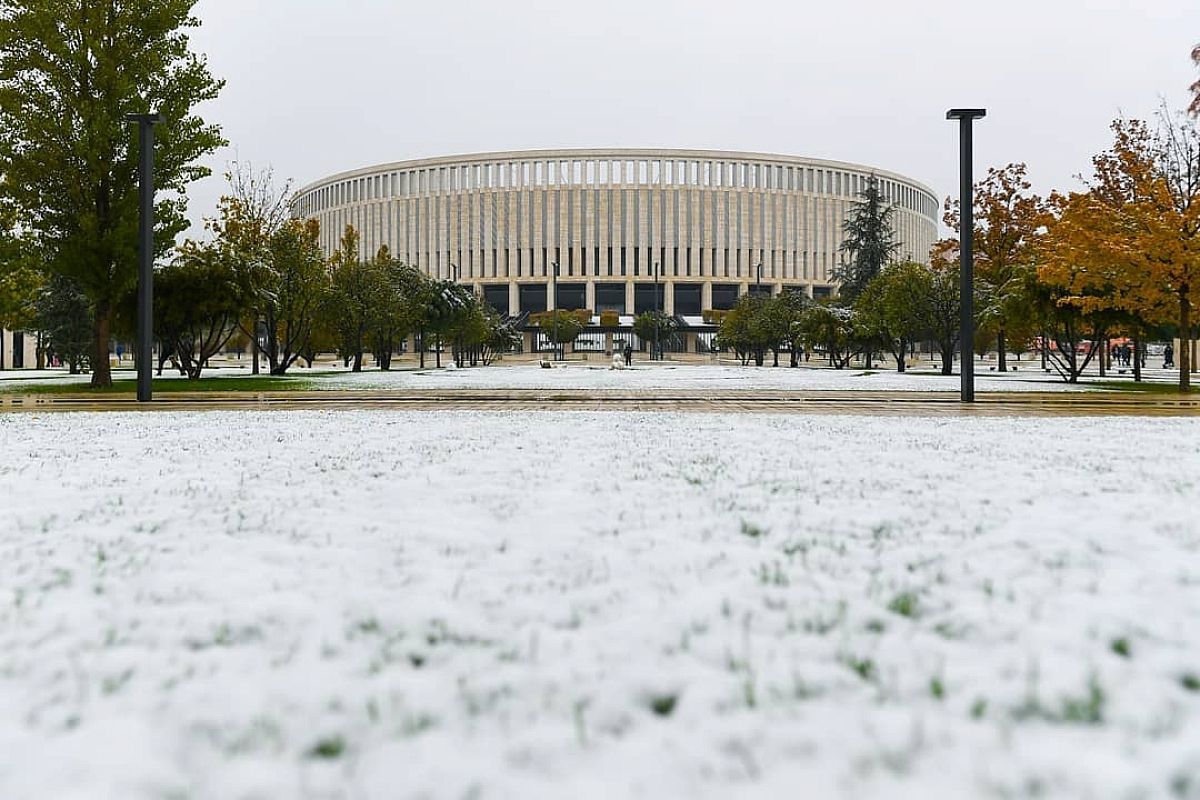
(747,330)
(480,335)
(390,317)
(894,308)
(249,220)
(1007,220)
(69,75)
(870,240)
(20,280)
(352,299)
(832,328)
(197,303)
(298,280)
(442,306)
(648,323)
(1078,334)
(561,327)
(944,323)
(1131,244)
(776,323)
(64,318)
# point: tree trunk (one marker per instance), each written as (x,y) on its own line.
(101,370)
(1137,361)
(437,353)
(1045,344)
(1185,341)
(948,360)
(254,349)
(421,347)
(1002,362)
(900,359)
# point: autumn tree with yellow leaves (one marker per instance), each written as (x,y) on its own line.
(1131,244)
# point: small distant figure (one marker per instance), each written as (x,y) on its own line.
(628,353)
(1168,356)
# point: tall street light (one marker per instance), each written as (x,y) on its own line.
(758,278)
(145,292)
(966,236)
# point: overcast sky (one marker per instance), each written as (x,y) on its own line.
(317,86)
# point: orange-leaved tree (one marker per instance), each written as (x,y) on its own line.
(1008,217)
(1137,231)
(1083,280)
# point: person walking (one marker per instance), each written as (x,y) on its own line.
(1168,356)
(628,352)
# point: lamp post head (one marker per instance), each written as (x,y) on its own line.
(966,113)
(151,119)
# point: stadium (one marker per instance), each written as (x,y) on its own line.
(697,228)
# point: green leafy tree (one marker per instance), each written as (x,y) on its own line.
(480,335)
(447,303)
(20,279)
(747,329)
(353,297)
(561,327)
(894,308)
(69,75)
(197,304)
(831,328)
(298,282)
(778,320)
(944,323)
(646,324)
(398,288)
(64,318)
(870,241)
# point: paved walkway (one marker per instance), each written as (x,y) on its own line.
(741,401)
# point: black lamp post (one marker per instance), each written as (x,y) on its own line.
(966,236)
(145,294)
(758,278)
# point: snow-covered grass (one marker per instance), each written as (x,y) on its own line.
(379,604)
(576,375)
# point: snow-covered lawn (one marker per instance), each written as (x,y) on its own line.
(644,375)
(390,605)
(683,376)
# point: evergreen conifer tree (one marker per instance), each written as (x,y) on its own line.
(870,240)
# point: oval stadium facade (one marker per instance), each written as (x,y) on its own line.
(703,226)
